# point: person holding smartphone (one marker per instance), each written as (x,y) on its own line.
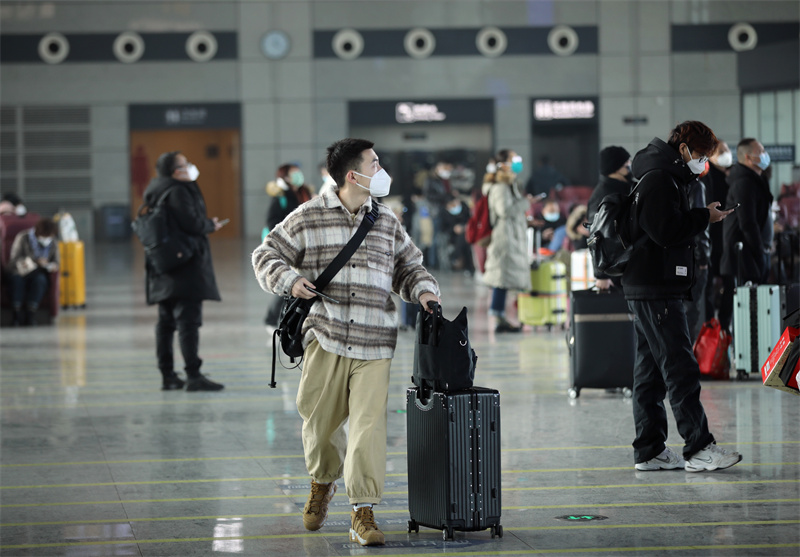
(656,281)
(180,292)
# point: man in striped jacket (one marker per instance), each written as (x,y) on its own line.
(348,346)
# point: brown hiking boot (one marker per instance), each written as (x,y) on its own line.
(363,529)
(316,510)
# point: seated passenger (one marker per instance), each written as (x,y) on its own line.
(34,254)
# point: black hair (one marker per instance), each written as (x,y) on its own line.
(12,198)
(502,156)
(696,135)
(45,228)
(344,156)
(165,165)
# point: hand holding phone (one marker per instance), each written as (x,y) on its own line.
(318,293)
(223,222)
(732,207)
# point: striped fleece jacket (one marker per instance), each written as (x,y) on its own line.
(364,325)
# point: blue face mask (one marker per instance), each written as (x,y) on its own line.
(455,210)
(516,166)
(764,162)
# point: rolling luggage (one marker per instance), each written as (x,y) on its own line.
(546,303)
(454,461)
(73,275)
(757,315)
(601,342)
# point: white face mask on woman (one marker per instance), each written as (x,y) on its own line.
(193,172)
(379,183)
(725,159)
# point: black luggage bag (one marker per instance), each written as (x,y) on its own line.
(454,461)
(601,342)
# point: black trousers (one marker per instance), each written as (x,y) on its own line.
(186,316)
(665,365)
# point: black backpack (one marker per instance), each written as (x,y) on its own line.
(610,233)
(165,246)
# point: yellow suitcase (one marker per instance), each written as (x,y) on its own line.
(73,275)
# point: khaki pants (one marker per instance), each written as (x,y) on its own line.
(333,388)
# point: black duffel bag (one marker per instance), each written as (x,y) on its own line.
(166,247)
(443,358)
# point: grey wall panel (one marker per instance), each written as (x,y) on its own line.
(114,83)
(295,123)
(67,16)
(615,75)
(110,185)
(715,11)
(617,25)
(654,73)
(260,125)
(291,80)
(706,72)
(330,122)
(652,25)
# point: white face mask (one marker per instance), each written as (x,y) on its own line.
(697,166)
(725,159)
(444,174)
(491,168)
(44,241)
(192,171)
(379,183)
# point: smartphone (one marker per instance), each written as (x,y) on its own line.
(731,207)
(318,293)
(223,222)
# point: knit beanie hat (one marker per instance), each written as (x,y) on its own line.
(612,158)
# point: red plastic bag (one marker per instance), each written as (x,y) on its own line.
(711,350)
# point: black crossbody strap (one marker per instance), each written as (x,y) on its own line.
(349,249)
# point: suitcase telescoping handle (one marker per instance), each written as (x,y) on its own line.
(433,340)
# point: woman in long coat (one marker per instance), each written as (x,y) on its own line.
(507,264)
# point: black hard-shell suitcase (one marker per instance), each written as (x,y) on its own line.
(454,461)
(601,342)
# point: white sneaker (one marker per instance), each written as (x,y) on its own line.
(712,458)
(667,460)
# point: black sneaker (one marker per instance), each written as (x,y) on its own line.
(172,383)
(202,383)
(506,327)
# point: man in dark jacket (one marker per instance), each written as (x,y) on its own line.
(180,292)
(748,188)
(615,177)
(656,281)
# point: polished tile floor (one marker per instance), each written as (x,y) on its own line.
(96,460)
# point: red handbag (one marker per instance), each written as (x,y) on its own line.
(711,350)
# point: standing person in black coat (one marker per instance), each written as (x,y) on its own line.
(180,292)
(656,281)
(748,188)
(615,177)
(716,190)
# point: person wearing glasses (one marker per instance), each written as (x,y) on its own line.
(656,281)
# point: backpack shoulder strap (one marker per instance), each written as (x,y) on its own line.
(349,249)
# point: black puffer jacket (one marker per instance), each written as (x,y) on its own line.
(745,223)
(663,266)
(194,280)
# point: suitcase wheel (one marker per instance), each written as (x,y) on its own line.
(497,531)
(413,526)
(447,533)
(574,393)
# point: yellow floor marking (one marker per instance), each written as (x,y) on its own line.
(395,453)
(698,481)
(261,497)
